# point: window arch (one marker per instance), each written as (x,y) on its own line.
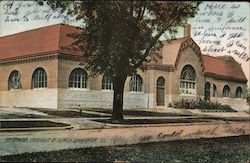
(14,81)
(39,78)
(135,83)
(78,78)
(107,82)
(160,82)
(214,91)
(187,80)
(226,91)
(238,92)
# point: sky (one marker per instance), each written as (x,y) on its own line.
(219,28)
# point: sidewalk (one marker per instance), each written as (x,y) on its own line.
(86,132)
(35,141)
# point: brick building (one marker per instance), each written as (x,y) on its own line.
(36,71)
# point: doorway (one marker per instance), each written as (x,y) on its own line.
(160,93)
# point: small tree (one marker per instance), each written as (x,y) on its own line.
(119,36)
(227,58)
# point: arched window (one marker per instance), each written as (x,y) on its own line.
(214,91)
(238,92)
(226,91)
(39,78)
(107,82)
(160,82)
(135,83)
(14,81)
(207,91)
(187,80)
(160,91)
(78,78)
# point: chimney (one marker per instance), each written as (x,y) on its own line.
(187,30)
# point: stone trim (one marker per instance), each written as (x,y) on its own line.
(71,57)
(43,57)
(190,43)
(168,68)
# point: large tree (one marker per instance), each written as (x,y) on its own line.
(119,36)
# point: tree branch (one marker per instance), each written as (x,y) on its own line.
(139,14)
(153,42)
(144,9)
(117,6)
(131,8)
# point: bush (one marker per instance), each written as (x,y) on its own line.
(200,104)
(184,104)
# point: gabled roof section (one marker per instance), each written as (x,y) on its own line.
(172,50)
(222,69)
(37,42)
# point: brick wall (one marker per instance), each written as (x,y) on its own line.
(187,57)
(59,95)
(27,97)
(93,96)
(236,103)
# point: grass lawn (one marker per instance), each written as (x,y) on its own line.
(16,116)
(230,149)
(30,124)
(155,121)
(67,113)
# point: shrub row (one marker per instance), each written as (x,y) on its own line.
(200,104)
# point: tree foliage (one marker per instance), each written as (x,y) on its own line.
(119,36)
(227,58)
(122,34)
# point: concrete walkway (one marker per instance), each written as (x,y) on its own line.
(35,141)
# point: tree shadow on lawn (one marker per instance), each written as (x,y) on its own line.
(22,116)
(153,121)
(137,112)
(30,124)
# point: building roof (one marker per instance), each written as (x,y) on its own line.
(229,70)
(171,50)
(52,39)
(36,42)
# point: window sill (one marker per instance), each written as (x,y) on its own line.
(79,89)
(107,90)
(39,88)
(15,90)
(134,92)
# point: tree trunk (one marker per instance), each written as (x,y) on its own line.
(118,83)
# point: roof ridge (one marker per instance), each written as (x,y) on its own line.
(30,30)
(176,39)
(207,55)
(222,59)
